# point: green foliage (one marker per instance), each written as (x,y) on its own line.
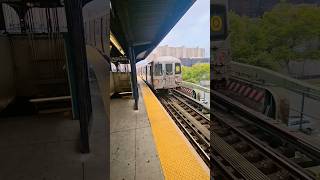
(196,73)
(287,32)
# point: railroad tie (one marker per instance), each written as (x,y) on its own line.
(242,165)
(195,122)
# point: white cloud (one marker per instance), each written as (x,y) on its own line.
(193,28)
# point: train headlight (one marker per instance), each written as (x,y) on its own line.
(221,56)
(156,82)
(178,79)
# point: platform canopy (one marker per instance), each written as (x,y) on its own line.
(142,24)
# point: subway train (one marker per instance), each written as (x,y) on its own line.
(162,73)
(220,44)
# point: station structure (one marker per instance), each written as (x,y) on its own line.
(72,106)
(145,142)
(61,114)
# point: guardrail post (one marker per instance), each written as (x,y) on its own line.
(2,21)
(301,112)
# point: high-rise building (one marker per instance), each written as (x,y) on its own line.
(178,52)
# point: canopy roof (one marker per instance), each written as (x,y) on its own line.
(142,24)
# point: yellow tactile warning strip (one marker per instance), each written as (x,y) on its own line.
(176,158)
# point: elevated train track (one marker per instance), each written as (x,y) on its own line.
(245,143)
(192,122)
(248,145)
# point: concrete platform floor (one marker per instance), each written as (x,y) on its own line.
(133,152)
(46,147)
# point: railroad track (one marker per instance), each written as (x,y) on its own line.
(248,148)
(243,148)
(192,122)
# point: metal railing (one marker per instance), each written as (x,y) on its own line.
(195,86)
(266,76)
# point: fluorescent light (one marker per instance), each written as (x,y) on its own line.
(115,42)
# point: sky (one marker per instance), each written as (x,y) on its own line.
(193,28)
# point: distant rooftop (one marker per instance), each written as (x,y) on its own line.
(178,52)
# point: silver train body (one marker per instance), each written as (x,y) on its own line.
(162,73)
(219,43)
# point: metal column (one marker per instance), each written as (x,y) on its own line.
(78,57)
(301,111)
(134,84)
(2,21)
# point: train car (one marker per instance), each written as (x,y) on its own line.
(238,81)
(219,44)
(163,73)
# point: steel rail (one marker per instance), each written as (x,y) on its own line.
(281,160)
(269,125)
(191,99)
(195,138)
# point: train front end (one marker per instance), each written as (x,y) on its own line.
(178,73)
(219,44)
(167,73)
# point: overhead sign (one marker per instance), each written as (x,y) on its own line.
(218,22)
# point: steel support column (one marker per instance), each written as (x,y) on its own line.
(2,21)
(78,57)
(134,84)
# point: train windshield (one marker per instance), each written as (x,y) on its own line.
(177,68)
(158,70)
(169,69)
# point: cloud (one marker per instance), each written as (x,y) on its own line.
(193,28)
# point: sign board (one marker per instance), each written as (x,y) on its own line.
(218,22)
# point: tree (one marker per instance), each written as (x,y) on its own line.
(196,73)
(288,32)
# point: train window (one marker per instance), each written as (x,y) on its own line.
(177,68)
(169,69)
(113,67)
(149,70)
(158,70)
(101,34)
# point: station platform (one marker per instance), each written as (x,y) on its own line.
(133,153)
(146,144)
(46,146)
